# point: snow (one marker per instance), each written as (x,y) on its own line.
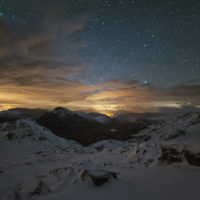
(102,119)
(36,164)
(82,114)
(62,112)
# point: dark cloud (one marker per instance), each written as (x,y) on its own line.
(37,37)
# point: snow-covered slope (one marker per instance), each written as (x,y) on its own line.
(97,117)
(101,118)
(36,164)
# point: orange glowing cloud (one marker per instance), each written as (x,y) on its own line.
(116,96)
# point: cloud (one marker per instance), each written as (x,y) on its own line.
(37,47)
(120,96)
(37,36)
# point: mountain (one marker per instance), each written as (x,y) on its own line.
(156,163)
(85,128)
(88,128)
(104,119)
(77,126)
(6,116)
(28,112)
(129,116)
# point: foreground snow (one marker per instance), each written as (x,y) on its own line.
(36,164)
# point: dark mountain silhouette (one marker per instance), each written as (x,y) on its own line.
(7,116)
(85,128)
(28,112)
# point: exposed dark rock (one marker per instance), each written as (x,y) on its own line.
(42,138)
(148,162)
(41,188)
(10,136)
(174,134)
(98,177)
(39,152)
(58,171)
(192,158)
(27,135)
(170,155)
(196,120)
(100,148)
(140,138)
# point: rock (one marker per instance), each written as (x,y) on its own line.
(99,148)
(41,189)
(42,138)
(140,138)
(10,136)
(170,155)
(192,158)
(174,134)
(98,177)
(59,179)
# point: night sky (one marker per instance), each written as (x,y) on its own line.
(106,56)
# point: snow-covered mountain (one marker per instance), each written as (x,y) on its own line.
(75,125)
(104,119)
(87,128)
(157,163)
(92,117)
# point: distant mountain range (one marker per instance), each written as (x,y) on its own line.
(85,128)
(129,116)
(32,113)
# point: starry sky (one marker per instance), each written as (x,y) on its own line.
(100,55)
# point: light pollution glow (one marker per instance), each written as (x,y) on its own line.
(118,96)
